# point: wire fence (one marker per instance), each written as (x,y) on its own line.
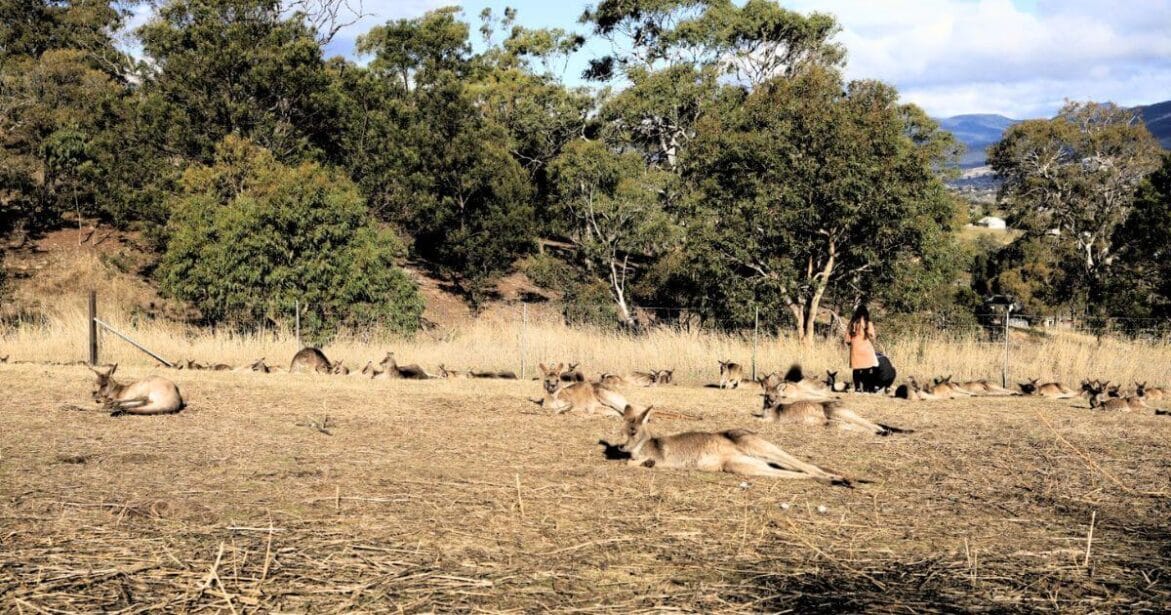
(520,335)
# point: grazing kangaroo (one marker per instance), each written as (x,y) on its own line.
(391,369)
(562,396)
(736,451)
(310,359)
(1051,390)
(828,413)
(731,374)
(151,395)
(1140,390)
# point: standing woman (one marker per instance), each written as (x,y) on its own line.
(860,338)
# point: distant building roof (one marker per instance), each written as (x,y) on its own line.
(992,222)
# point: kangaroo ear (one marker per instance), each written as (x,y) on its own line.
(646,415)
(560,366)
(629,413)
(113,368)
(542,366)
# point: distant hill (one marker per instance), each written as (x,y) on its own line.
(1158,120)
(976,131)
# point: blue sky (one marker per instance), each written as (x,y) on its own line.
(1019,58)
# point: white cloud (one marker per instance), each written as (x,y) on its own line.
(963,56)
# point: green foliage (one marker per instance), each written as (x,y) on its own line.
(549,272)
(812,191)
(1076,174)
(242,67)
(249,236)
(62,111)
(616,209)
(1140,286)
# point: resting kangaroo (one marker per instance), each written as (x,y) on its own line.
(391,369)
(730,374)
(736,451)
(561,396)
(310,359)
(1052,390)
(1100,399)
(1151,393)
(255,366)
(828,413)
(151,395)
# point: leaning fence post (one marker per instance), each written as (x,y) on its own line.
(93,327)
(524,330)
(755,334)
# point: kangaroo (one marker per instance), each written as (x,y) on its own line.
(730,374)
(1144,391)
(562,396)
(736,451)
(984,388)
(799,384)
(391,369)
(607,379)
(828,413)
(255,366)
(1051,390)
(1100,398)
(831,381)
(664,376)
(572,374)
(151,395)
(310,359)
(339,369)
(451,373)
(642,379)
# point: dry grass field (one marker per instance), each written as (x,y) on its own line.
(457,496)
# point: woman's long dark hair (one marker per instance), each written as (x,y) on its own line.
(861,316)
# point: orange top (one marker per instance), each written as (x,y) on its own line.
(862,354)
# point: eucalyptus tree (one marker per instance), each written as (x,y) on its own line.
(1074,176)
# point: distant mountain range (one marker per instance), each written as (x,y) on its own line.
(981,130)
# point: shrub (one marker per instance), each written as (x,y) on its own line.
(249,236)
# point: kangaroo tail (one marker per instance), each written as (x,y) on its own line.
(850,418)
(890,429)
(1162,412)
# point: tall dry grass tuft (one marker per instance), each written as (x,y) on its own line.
(501,342)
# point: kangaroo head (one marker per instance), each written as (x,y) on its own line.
(772,386)
(1028,388)
(634,427)
(831,378)
(724,366)
(664,376)
(105,385)
(4,359)
(1140,388)
(552,377)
